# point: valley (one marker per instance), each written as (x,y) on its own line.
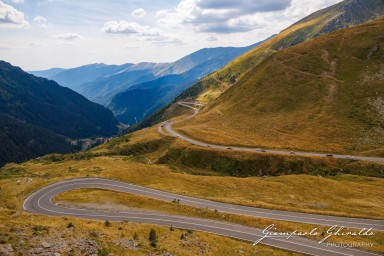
(134,91)
(275,148)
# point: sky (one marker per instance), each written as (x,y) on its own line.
(42,34)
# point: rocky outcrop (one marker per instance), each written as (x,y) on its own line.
(6,250)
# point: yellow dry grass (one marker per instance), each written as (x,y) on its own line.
(109,200)
(18,230)
(343,195)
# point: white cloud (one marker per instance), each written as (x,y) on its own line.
(41,21)
(186,22)
(12,18)
(125,27)
(244,6)
(144,32)
(175,17)
(218,16)
(302,8)
(139,13)
(68,36)
(228,16)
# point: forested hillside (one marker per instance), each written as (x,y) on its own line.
(21,141)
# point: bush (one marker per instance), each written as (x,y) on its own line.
(94,234)
(107,223)
(40,228)
(103,252)
(153,237)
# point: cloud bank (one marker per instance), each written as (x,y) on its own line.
(144,32)
(12,18)
(67,36)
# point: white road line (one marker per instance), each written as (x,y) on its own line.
(112,215)
(228,207)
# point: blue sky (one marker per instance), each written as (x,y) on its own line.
(41,34)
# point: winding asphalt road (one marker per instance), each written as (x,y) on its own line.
(41,202)
(168,128)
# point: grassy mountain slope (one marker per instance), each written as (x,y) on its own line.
(44,103)
(342,15)
(325,95)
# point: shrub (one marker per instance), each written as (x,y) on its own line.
(153,237)
(107,223)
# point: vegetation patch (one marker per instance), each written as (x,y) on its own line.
(246,164)
(141,148)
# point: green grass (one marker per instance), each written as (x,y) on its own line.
(200,161)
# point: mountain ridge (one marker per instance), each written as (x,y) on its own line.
(109,86)
(38,117)
(164,89)
(211,87)
(322,95)
(44,103)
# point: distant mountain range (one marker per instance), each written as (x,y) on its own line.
(120,87)
(38,116)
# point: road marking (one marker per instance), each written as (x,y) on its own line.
(311,218)
(59,186)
